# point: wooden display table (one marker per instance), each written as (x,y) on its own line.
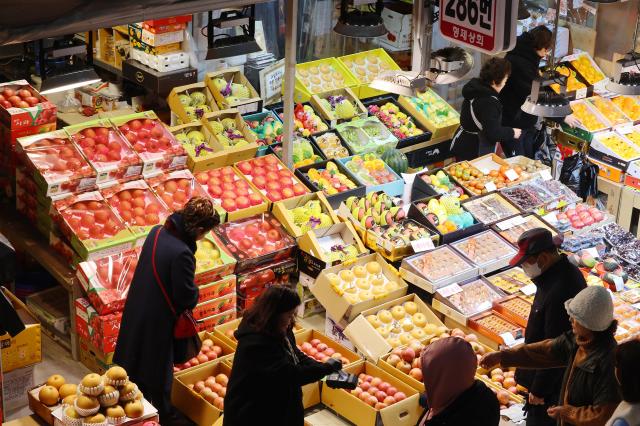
(24,238)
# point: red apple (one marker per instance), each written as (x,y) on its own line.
(7,93)
(255,199)
(229,204)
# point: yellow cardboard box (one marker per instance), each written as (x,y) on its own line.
(26,347)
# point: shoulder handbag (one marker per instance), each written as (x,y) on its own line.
(186,342)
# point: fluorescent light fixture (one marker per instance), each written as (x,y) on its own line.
(404,83)
(69,80)
(450,65)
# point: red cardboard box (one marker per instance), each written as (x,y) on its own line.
(215,306)
(102,330)
(37,109)
(161,29)
(182,19)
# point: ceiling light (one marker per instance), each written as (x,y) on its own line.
(224,45)
(450,65)
(543,102)
(360,23)
(403,83)
(523,12)
(68,80)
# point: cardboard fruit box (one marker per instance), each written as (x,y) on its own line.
(214,306)
(107,151)
(100,330)
(137,32)
(91,226)
(227,155)
(282,211)
(191,403)
(404,412)
(191,102)
(267,127)
(433,112)
(319,76)
(365,67)
(225,331)
(106,281)
(397,248)
(22,106)
(338,307)
(392,184)
(227,353)
(213,260)
(137,206)
(318,244)
(151,139)
(226,87)
(220,288)
(56,165)
(252,284)
(196,139)
(329,114)
(210,323)
(370,342)
(176,188)
(26,347)
(322,184)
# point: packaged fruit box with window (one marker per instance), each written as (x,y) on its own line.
(346,291)
(433,112)
(333,179)
(154,143)
(269,176)
(210,323)
(107,151)
(231,89)
(338,105)
(21,106)
(196,141)
(610,111)
(580,219)
(213,260)
(614,149)
(497,328)
(331,145)
(56,165)
(510,281)
(512,228)
(460,301)
(523,197)
(514,308)
(234,194)
(304,214)
(366,66)
(398,404)
(191,102)
(137,206)
(397,240)
(490,208)
(267,128)
(256,240)
(366,135)
(394,324)
(486,250)
(304,153)
(306,122)
(437,268)
(252,284)
(374,174)
(397,120)
(321,76)
(485,175)
(376,208)
(93,229)
(106,280)
(445,215)
(629,105)
(176,188)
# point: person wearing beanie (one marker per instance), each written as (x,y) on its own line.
(589,393)
(556,280)
(453,395)
(265,386)
(628,377)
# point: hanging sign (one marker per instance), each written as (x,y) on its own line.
(488,26)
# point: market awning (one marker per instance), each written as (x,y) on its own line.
(27,20)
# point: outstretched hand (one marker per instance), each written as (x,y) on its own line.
(491,360)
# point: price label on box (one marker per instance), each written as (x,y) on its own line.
(508,339)
(545,174)
(529,289)
(422,244)
(581,93)
(450,290)
(511,174)
(490,186)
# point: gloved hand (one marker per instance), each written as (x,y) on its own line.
(335,364)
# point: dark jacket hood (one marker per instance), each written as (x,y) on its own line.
(476,89)
(524,49)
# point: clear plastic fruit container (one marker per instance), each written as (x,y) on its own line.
(137,206)
(227,188)
(91,219)
(176,188)
(271,178)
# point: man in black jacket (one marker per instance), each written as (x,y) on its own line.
(557,280)
(481,113)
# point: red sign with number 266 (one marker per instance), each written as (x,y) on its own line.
(488,26)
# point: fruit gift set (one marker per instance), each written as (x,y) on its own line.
(231,89)
(191,102)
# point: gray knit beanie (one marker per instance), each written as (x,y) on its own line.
(592,308)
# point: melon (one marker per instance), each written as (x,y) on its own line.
(396,160)
(610,264)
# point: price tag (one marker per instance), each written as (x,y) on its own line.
(619,283)
(507,224)
(621,330)
(636,306)
(545,174)
(581,93)
(508,339)
(529,289)
(490,186)
(422,244)
(625,130)
(484,306)
(519,220)
(450,290)
(551,217)
(485,171)
(511,174)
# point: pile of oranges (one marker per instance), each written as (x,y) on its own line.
(588,119)
(629,106)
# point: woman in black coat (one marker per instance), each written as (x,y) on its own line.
(265,387)
(145,343)
(481,114)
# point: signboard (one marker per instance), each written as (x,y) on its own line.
(271,81)
(488,26)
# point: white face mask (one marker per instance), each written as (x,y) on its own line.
(532,270)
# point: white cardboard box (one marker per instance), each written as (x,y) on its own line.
(398,26)
(15,385)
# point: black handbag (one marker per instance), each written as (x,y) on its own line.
(186,342)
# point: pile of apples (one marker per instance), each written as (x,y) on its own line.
(138,207)
(21,98)
(208,352)
(176,189)
(321,352)
(149,135)
(581,216)
(58,156)
(92,220)
(375,392)
(505,380)
(407,359)
(255,236)
(271,178)
(230,190)
(104,145)
(213,389)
